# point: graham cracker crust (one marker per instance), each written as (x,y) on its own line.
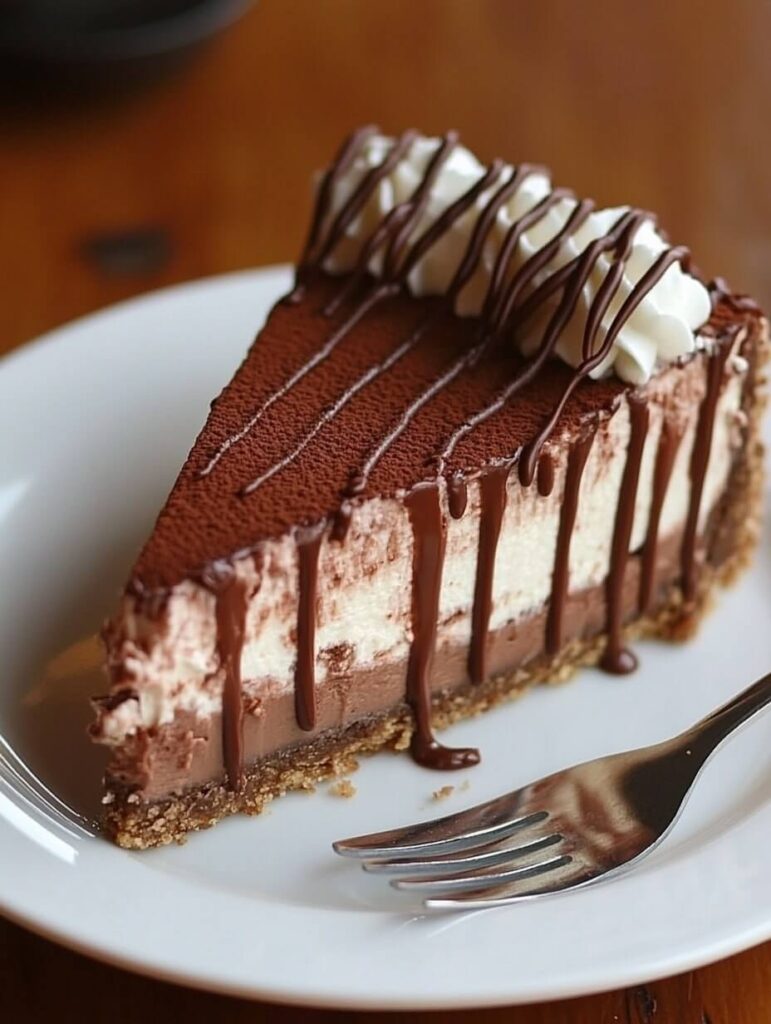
(732,537)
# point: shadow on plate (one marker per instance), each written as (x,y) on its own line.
(45,710)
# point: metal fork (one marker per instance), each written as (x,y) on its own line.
(567,830)
(26,789)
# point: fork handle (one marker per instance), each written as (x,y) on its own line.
(718,725)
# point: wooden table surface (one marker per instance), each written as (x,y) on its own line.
(118,188)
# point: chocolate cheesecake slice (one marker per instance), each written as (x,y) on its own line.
(491,435)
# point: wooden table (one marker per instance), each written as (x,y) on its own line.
(124,188)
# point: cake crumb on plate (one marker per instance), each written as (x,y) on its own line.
(443,793)
(344,788)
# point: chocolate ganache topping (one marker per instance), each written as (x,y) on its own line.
(495,258)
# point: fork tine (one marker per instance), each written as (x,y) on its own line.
(482,880)
(500,895)
(457,862)
(478,826)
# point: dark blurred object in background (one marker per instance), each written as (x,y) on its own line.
(82,38)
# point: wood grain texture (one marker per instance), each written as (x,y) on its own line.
(118,190)
(41,982)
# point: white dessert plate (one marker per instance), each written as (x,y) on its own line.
(95,420)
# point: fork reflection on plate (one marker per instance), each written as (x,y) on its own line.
(567,830)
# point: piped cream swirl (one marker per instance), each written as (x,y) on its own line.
(660,329)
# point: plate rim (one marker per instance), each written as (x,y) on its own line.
(322,1001)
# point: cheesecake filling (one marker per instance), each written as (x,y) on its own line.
(169,664)
(188,751)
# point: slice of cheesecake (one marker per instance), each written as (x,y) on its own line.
(491,434)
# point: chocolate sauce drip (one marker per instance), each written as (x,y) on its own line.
(619,241)
(305,668)
(482,229)
(617,659)
(699,462)
(424,506)
(669,444)
(572,277)
(545,475)
(457,496)
(342,161)
(492,494)
(502,310)
(579,453)
(591,360)
(341,522)
(232,601)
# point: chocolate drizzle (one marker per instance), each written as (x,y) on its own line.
(318,357)
(591,358)
(699,462)
(617,659)
(462,276)
(308,547)
(343,160)
(579,453)
(355,204)
(331,411)
(510,303)
(429,533)
(669,444)
(231,599)
(492,495)
(457,496)
(545,475)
